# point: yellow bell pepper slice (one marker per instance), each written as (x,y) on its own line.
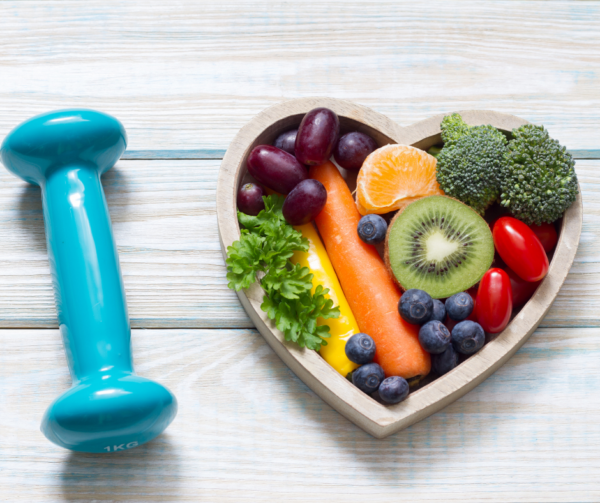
(342,328)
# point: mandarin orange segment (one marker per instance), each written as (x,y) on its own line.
(394,176)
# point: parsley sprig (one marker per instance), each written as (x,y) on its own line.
(263,254)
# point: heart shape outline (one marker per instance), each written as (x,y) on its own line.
(373,417)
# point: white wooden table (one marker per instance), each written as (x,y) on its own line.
(183,79)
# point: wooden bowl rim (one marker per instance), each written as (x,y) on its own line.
(379,420)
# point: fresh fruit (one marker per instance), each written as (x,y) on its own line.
(275,168)
(416,306)
(360,349)
(352,149)
(468,337)
(372,229)
(317,135)
(393,389)
(520,248)
(521,290)
(341,328)
(439,311)
(368,287)
(459,306)
(494,301)
(445,361)
(304,202)
(368,377)
(250,199)
(439,245)
(287,141)
(392,177)
(547,235)
(434,337)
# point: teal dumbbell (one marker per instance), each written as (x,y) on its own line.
(109,408)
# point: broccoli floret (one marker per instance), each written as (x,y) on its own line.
(539,182)
(469,165)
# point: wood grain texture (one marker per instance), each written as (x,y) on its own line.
(188,74)
(249,430)
(164,220)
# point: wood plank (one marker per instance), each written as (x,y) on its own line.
(248,429)
(185,74)
(164,219)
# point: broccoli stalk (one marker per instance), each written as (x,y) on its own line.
(538,182)
(470,164)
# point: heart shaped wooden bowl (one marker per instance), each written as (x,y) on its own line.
(379,420)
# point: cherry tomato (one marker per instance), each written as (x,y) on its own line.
(520,249)
(546,233)
(521,290)
(494,301)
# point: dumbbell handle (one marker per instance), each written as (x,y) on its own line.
(90,297)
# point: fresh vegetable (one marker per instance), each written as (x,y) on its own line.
(393,389)
(416,306)
(317,135)
(372,229)
(250,199)
(287,141)
(439,245)
(468,337)
(445,361)
(368,377)
(368,287)
(275,168)
(434,151)
(520,249)
(521,290)
(539,182)
(494,301)
(392,177)
(360,349)
(304,202)
(547,235)
(434,337)
(470,164)
(352,149)
(439,311)
(266,244)
(459,306)
(342,328)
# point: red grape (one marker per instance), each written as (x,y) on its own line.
(250,199)
(275,168)
(287,141)
(352,150)
(305,202)
(317,135)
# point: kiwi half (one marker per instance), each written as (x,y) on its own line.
(439,245)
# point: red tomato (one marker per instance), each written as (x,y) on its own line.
(521,290)
(546,233)
(494,301)
(520,248)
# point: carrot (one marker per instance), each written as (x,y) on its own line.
(367,285)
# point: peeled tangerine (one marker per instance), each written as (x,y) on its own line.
(394,176)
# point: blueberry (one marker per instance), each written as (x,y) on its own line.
(439,311)
(434,337)
(368,377)
(372,229)
(468,337)
(459,306)
(394,389)
(445,361)
(416,306)
(360,349)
